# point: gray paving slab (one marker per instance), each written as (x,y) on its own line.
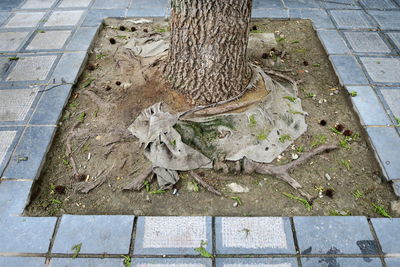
(302,3)
(9,137)
(28,156)
(88,262)
(388,20)
(368,106)
(115,4)
(35,4)
(14,195)
(252,262)
(64,18)
(392,98)
(333,42)
(392,262)
(149,3)
(69,67)
(24,19)
(253,235)
(334,235)
(74,3)
(396,187)
(395,37)
(10,4)
(332,262)
(31,68)
(173,262)
(344,4)
(277,13)
(110,234)
(5,63)
(11,41)
(382,69)
(386,142)
(3,16)
(388,234)
(148,12)
(51,104)
(352,19)
(26,234)
(48,40)
(319,17)
(95,17)
(172,235)
(367,42)
(348,70)
(16,103)
(22,261)
(267,4)
(381,4)
(82,39)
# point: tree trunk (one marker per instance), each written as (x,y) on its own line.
(207,55)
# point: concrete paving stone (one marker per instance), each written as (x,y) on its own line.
(352,19)
(367,42)
(95,17)
(82,39)
(253,235)
(172,262)
(148,12)
(388,234)
(22,261)
(381,4)
(386,142)
(172,235)
(388,20)
(114,4)
(69,67)
(382,69)
(3,16)
(392,262)
(268,4)
(48,40)
(6,140)
(149,3)
(64,18)
(348,70)
(26,234)
(87,262)
(24,19)
(29,4)
(332,262)
(51,104)
(302,3)
(395,37)
(344,4)
(396,188)
(368,106)
(98,234)
(256,262)
(398,2)
(31,68)
(14,195)
(74,3)
(392,98)
(319,18)
(28,156)
(274,13)
(15,103)
(333,42)
(9,4)
(334,235)
(11,41)
(5,64)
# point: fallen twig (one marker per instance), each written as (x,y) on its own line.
(138,183)
(87,187)
(72,134)
(204,184)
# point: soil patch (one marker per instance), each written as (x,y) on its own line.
(120,85)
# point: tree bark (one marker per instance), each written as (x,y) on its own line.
(207,55)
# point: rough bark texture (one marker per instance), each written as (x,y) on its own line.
(207,55)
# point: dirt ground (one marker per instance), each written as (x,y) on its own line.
(347,181)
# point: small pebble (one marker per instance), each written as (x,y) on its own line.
(235,204)
(328,177)
(175,191)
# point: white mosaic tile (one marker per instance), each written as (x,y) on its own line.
(10,41)
(174,232)
(64,18)
(15,103)
(38,4)
(25,19)
(6,138)
(255,233)
(49,40)
(74,3)
(32,68)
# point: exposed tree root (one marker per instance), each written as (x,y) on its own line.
(68,153)
(283,172)
(138,183)
(204,184)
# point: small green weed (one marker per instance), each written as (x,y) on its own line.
(195,185)
(290,98)
(358,194)
(238,200)
(123,37)
(100,56)
(13,58)
(40,31)
(301,50)
(346,164)
(88,82)
(397,121)
(353,93)
(295,42)
(317,65)
(252,120)
(127,261)
(345,142)
(310,95)
(280,39)
(301,200)
(381,210)
(334,130)
(76,249)
(318,140)
(300,149)
(203,252)
(284,138)
(147,186)
(82,117)
(261,136)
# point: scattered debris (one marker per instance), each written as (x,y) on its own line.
(327,176)
(237,188)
